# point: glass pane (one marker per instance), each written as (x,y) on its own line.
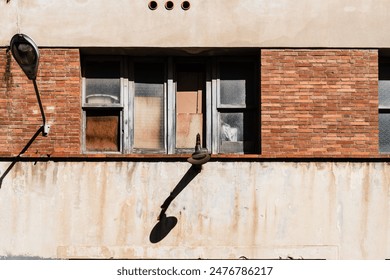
(102,131)
(102,82)
(237,132)
(236,83)
(232,127)
(149,106)
(189,105)
(384,94)
(384,133)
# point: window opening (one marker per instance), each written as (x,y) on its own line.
(102,82)
(149,106)
(159,105)
(236,107)
(102,130)
(190,97)
(384,104)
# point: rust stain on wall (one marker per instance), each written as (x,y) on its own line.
(107,209)
(365,200)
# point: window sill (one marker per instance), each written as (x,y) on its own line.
(156,156)
(129,157)
(183,157)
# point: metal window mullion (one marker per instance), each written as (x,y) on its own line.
(84,131)
(165,113)
(215,115)
(209,104)
(84,121)
(83,90)
(125,95)
(171,112)
(130,106)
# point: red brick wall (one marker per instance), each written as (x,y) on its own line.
(319,103)
(315,103)
(59,84)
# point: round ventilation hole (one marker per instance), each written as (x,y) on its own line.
(152,5)
(169,5)
(185,5)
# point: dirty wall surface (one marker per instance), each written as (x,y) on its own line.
(327,210)
(217,23)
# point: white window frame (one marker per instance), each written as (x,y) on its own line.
(94,107)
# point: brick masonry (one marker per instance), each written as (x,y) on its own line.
(314,103)
(319,103)
(59,85)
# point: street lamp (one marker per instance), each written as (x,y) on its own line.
(26,54)
(200,156)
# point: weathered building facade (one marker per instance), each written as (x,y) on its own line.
(289,97)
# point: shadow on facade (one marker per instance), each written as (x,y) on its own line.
(166,224)
(17,158)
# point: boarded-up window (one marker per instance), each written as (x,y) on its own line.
(149,106)
(102,130)
(189,104)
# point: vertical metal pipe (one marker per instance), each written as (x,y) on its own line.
(39,102)
(45,128)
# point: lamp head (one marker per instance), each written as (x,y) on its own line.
(26,54)
(201,155)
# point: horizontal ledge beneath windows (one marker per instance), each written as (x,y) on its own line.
(162,157)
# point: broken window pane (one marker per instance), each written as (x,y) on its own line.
(149,106)
(236,83)
(189,104)
(237,132)
(232,127)
(102,130)
(102,82)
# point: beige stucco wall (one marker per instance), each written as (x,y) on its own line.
(255,209)
(208,23)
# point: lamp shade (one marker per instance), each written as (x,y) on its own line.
(201,155)
(26,54)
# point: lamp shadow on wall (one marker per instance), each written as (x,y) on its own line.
(17,158)
(166,224)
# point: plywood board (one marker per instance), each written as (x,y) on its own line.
(102,133)
(187,126)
